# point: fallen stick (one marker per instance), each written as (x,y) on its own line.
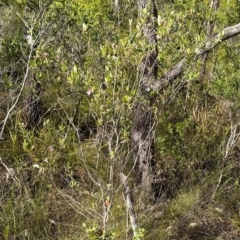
(129,204)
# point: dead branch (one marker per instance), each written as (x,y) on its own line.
(206,47)
(128,201)
(169,77)
(216,39)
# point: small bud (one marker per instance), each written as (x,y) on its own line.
(90,92)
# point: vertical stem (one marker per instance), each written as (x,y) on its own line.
(210,26)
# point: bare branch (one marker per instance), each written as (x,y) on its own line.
(216,39)
(206,47)
(169,77)
(129,204)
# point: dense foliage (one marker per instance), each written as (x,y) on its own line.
(69,81)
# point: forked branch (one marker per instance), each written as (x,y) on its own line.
(179,68)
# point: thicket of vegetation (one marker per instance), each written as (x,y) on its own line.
(93,91)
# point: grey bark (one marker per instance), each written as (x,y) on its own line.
(212,42)
(142,133)
(129,204)
(143,145)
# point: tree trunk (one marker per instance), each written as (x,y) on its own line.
(142,133)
